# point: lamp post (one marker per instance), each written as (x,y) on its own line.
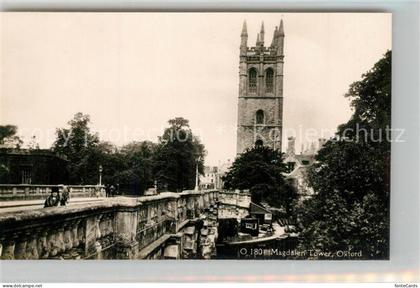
(196,173)
(100,175)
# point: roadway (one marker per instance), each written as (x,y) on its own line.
(21,205)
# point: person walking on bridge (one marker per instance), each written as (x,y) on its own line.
(53,199)
(65,195)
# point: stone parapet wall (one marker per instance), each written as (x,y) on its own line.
(121,227)
(233,204)
(72,232)
(114,228)
(235,198)
(12,192)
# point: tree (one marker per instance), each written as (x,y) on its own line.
(8,136)
(108,156)
(177,156)
(33,144)
(260,170)
(351,176)
(7,131)
(80,146)
(137,175)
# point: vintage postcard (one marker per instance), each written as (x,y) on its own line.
(195,135)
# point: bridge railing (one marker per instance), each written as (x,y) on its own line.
(72,232)
(10,192)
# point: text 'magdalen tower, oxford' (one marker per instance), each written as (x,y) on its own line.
(260,102)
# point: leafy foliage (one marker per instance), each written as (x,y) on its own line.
(7,131)
(135,166)
(8,136)
(177,156)
(81,148)
(351,175)
(137,175)
(260,170)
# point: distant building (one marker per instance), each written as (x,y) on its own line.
(222,169)
(210,179)
(259,212)
(250,226)
(298,164)
(259,218)
(38,166)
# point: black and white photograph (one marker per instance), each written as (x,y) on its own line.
(248,136)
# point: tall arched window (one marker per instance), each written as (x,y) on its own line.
(259,117)
(252,81)
(269,76)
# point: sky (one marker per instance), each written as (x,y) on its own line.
(132,72)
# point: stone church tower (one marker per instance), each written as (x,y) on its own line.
(260,102)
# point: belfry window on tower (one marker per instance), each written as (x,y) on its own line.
(269,75)
(252,80)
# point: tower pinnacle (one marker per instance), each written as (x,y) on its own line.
(244,30)
(275,35)
(244,39)
(280,39)
(281,29)
(262,34)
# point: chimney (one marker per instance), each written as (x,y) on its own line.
(290,146)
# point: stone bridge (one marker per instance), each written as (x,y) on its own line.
(164,226)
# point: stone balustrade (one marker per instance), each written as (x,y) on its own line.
(233,204)
(9,192)
(114,228)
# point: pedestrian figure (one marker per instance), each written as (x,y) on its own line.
(107,192)
(65,195)
(53,199)
(112,190)
(97,191)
